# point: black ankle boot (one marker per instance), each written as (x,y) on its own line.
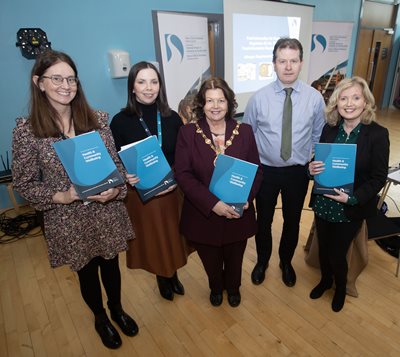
(164,285)
(128,325)
(107,332)
(176,285)
(319,290)
(338,299)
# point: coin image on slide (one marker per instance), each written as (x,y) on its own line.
(265,70)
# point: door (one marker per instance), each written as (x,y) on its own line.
(372,60)
(381,51)
(211,46)
(363,53)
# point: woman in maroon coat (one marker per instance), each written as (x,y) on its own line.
(213,227)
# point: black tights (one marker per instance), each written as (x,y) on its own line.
(334,240)
(90,283)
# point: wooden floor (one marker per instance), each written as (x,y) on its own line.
(42,312)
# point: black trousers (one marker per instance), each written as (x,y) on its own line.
(90,283)
(223,265)
(334,240)
(292,183)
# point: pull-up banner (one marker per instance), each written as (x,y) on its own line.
(183,53)
(330,44)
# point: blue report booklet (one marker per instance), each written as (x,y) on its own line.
(232,180)
(88,164)
(145,159)
(340,163)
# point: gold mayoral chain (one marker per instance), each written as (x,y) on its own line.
(218,150)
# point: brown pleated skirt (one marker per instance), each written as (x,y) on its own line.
(159,248)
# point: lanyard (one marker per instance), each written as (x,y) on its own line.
(146,129)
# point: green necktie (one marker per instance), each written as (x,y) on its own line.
(286,143)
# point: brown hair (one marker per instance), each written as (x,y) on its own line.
(161,101)
(368,115)
(44,118)
(214,83)
(185,108)
(287,42)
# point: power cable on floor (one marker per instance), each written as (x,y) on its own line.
(14,228)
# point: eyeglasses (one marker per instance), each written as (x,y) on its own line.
(59,80)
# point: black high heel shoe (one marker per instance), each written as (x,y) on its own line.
(165,288)
(319,290)
(176,285)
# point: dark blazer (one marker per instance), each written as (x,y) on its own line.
(193,170)
(372,160)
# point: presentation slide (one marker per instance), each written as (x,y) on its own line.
(251,29)
(252,48)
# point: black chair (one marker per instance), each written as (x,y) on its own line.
(382,226)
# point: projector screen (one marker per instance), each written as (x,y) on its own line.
(252,28)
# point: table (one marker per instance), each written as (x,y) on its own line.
(393,178)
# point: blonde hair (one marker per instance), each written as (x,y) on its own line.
(368,115)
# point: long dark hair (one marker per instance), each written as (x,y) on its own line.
(44,118)
(132,107)
(214,83)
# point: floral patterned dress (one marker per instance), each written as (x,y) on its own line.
(77,232)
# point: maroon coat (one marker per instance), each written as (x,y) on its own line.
(194,168)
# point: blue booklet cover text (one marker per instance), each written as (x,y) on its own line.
(145,159)
(340,162)
(88,164)
(232,180)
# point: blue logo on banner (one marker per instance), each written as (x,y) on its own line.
(173,42)
(319,39)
